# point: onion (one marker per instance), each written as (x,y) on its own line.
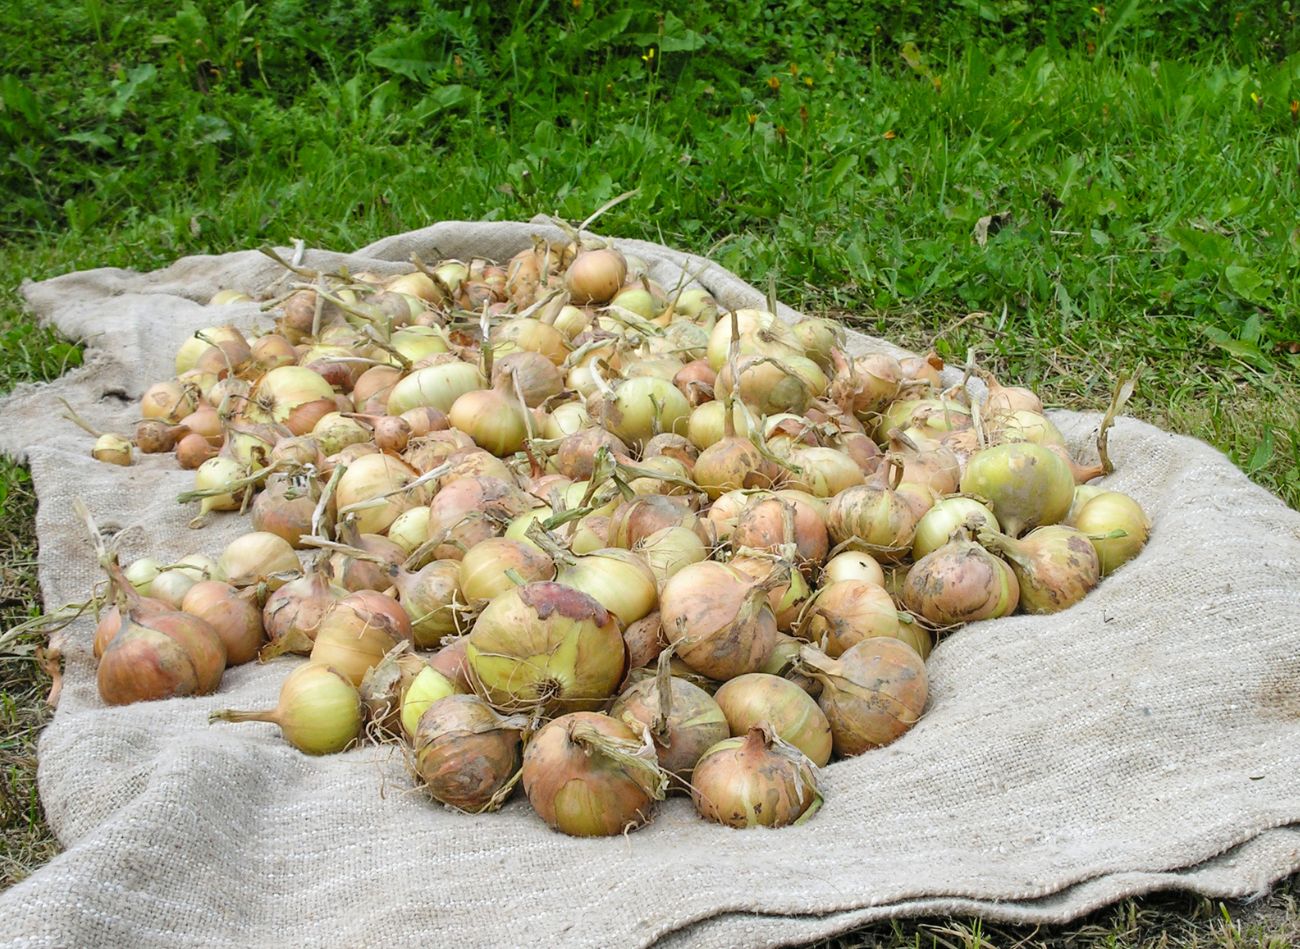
(233,615)
(319,711)
(875,517)
(469,511)
(638,519)
(531,336)
(292,614)
(1004,399)
(937,468)
(924,369)
(435,386)
(153,437)
(959,583)
(548,647)
(787,597)
(494,418)
(853,565)
(619,580)
(367,563)
(466,754)
(1025,485)
(431,598)
(643,407)
(1101,516)
(768,524)
(1055,566)
(575,456)
(695,381)
(187,355)
(537,377)
(719,620)
(1025,426)
(259,557)
(191,451)
(725,511)
(784,663)
(744,326)
(160,655)
(427,687)
(769,385)
(644,641)
(373,488)
(595,276)
(823,472)
(292,396)
(755,781)
(843,614)
(932,417)
(141,573)
(271,352)
(565,419)
(170,587)
(497,565)
(682,719)
(287,506)
(790,712)
(871,695)
(353,637)
(668,550)
(451,660)
(707,423)
(168,402)
(730,464)
(373,388)
(334,432)
(947,515)
(410,529)
(590,776)
(817,337)
(112,449)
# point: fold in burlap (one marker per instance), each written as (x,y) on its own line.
(1146,739)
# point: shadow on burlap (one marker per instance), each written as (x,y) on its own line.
(1147,739)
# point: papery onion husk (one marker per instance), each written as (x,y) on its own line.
(871,695)
(755,781)
(319,710)
(589,775)
(1026,485)
(466,754)
(1056,566)
(234,615)
(683,720)
(292,614)
(719,619)
(548,647)
(644,640)
(793,715)
(1101,516)
(638,519)
(959,583)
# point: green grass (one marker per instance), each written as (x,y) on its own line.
(1151,189)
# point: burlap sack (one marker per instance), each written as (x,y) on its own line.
(1146,739)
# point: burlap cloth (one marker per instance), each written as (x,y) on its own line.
(1146,739)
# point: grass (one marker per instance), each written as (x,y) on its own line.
(1146,163)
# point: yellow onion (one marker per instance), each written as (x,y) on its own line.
(431,598)
(187,356)
(319,711)
(822,472)
(565,419)
(618,579)
(410,529)
(367,563)
(497,565)
(232,614)
(1055,566)
(466,754)
(334,432)
(595,276)
(792,714)
(531,335)
(545,646)
(286,506)
(644,641)
(590,776)
(843,614)
(575,456)
(292,614)
(259,557)
(638,519)
(535,375)
(817,337)
(784,662)
(725,511)
(437,386)
(746,325)
(683,720)
(1005,399)
(947,515)
(769,385)
(707,423)
(160,655)
(470,510)
(867,384)
(373,485)
(494,418)
(170,586)
(959,583)
(875,517)
(353,637)
(931,417)
(853,565)
(1101,516)
(292,396)
(720,621)
(787,597)
(871,695)
(167,401)
(1025,485)
(428,686)
(642,407)
(755,781)
(668,550)
(769,523)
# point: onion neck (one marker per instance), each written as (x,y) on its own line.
(233,715)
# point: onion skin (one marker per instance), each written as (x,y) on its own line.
(845,613)
(1026,485)
(545,645)
(1055,566)
(947,515)
(1105,513)
(595,276)
(429,597)
(793,715)
(872,694)
(621,581)
(876,517)
(482,573)
(295,610)
(465,753)
(959,583)
(161,656)
(694,722)
(578,787)
(762,526)
(754,781)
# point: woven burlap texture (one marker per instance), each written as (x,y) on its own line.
(1145,739)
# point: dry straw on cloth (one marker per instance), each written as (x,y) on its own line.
(1146,739)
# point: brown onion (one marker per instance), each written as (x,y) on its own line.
(755,781)
(789,710)
(683,720)
(466,754)
(958,583)
(233,615)
(1056,566)
(720,621)
(872,694)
